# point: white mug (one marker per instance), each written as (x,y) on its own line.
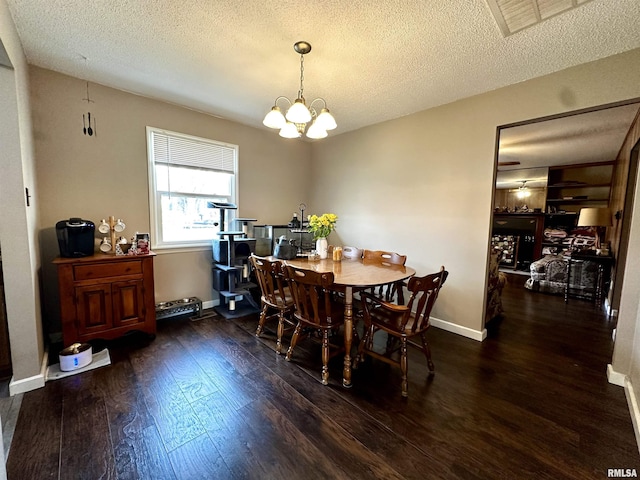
(103,227)
(105,245)
(119,226)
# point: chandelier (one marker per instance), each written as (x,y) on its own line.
(294,123)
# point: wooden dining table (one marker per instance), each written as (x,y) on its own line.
(353,273)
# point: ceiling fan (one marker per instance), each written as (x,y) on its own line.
(508,164)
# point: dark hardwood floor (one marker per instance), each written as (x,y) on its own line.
(208,399)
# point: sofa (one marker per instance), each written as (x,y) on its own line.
(496,282)
(549,275)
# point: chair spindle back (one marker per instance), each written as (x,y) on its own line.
(424,292)
(270,276)
(311,294)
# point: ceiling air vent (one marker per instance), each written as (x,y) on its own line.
(515,15)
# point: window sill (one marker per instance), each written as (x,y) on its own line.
(186,249)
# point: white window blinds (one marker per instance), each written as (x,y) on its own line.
(171,149)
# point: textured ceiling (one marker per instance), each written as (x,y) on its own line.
(371,60)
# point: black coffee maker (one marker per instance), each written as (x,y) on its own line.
(75,237)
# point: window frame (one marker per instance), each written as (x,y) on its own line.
(155,208)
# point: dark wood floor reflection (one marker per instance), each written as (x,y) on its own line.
(207,399)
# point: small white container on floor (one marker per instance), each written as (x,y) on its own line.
(75,356)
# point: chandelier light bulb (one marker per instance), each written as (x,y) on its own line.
(275,118)
(298,112)
(316,131)
(289,131)
(326,120)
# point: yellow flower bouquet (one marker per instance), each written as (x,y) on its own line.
(321,226)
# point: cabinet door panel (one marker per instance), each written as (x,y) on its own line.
(93,307)
(128,302)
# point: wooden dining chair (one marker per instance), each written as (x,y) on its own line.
(275,296)
(351,253)
(391,291)
(401,323)
(315,309)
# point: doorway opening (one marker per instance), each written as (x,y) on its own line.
(547,170)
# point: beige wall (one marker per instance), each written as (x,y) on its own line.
(422,184)
(94,177)
(18,223)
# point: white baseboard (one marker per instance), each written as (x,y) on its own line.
(31,383)
(615,378)
(459,329)
(210,304)
(633,409)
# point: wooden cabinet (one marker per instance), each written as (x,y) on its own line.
(526,230)
(105,296)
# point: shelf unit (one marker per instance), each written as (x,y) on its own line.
(571,187)
(267,235)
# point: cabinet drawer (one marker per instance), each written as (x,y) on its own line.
(112,269)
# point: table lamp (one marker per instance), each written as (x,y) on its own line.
(597,218)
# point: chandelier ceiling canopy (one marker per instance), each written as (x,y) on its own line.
(298,116)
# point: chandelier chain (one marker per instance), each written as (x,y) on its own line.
(301,75)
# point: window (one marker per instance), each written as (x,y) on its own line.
(185,174)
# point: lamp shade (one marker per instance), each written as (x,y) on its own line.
(326,120)
(274,119)
(316,131)
(289,131)
(595,217)
(298,112)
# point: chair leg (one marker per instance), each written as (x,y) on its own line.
(358,358)
(280,332)
(392,343)
(404,367)
(263,318)
(294,340)
(325,357)
(355,335)
(427,352)
(366,334)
